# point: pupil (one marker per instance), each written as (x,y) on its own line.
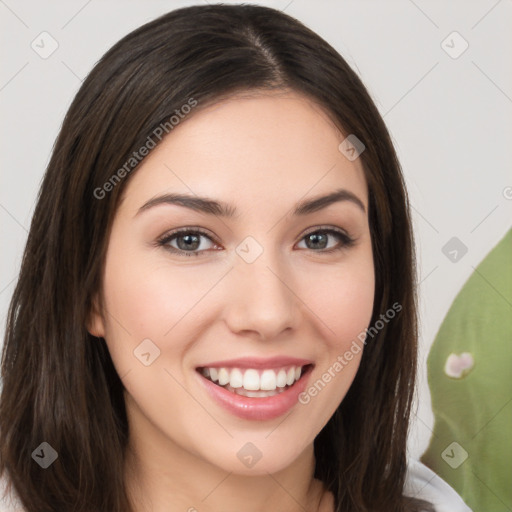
(315,238)
(194,239)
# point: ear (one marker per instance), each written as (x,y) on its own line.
(95,323)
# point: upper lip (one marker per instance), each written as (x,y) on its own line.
(258,362)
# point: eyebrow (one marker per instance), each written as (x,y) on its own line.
(218,208)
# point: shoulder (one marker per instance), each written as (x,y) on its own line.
(421,482)
(9,502)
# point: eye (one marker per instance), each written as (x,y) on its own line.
(319,239)
(188,241)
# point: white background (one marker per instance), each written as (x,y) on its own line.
(450,118)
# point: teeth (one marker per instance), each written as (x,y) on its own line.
(281,379)
(223,376)
(237,378)
(255,394)
(268,380)
(251,382)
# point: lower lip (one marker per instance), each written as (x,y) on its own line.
(248,408)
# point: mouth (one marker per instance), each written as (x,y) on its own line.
(255,389)
(253,382)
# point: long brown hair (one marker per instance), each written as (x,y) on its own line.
(59,383)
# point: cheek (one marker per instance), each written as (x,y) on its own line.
(347,304)
(151,301)
(352,309)
(342,297)
(148,298)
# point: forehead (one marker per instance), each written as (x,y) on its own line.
(248,149)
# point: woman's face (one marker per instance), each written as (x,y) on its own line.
(267,287)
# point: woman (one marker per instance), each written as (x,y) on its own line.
(216,305)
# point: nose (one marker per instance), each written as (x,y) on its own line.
(262,298)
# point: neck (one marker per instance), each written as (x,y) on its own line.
(161,476)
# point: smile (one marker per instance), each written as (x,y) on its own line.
(255,389)
(252,382)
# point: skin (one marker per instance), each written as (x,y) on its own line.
(263,154)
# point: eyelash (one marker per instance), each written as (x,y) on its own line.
(346,240)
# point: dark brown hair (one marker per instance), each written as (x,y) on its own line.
(59,383)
